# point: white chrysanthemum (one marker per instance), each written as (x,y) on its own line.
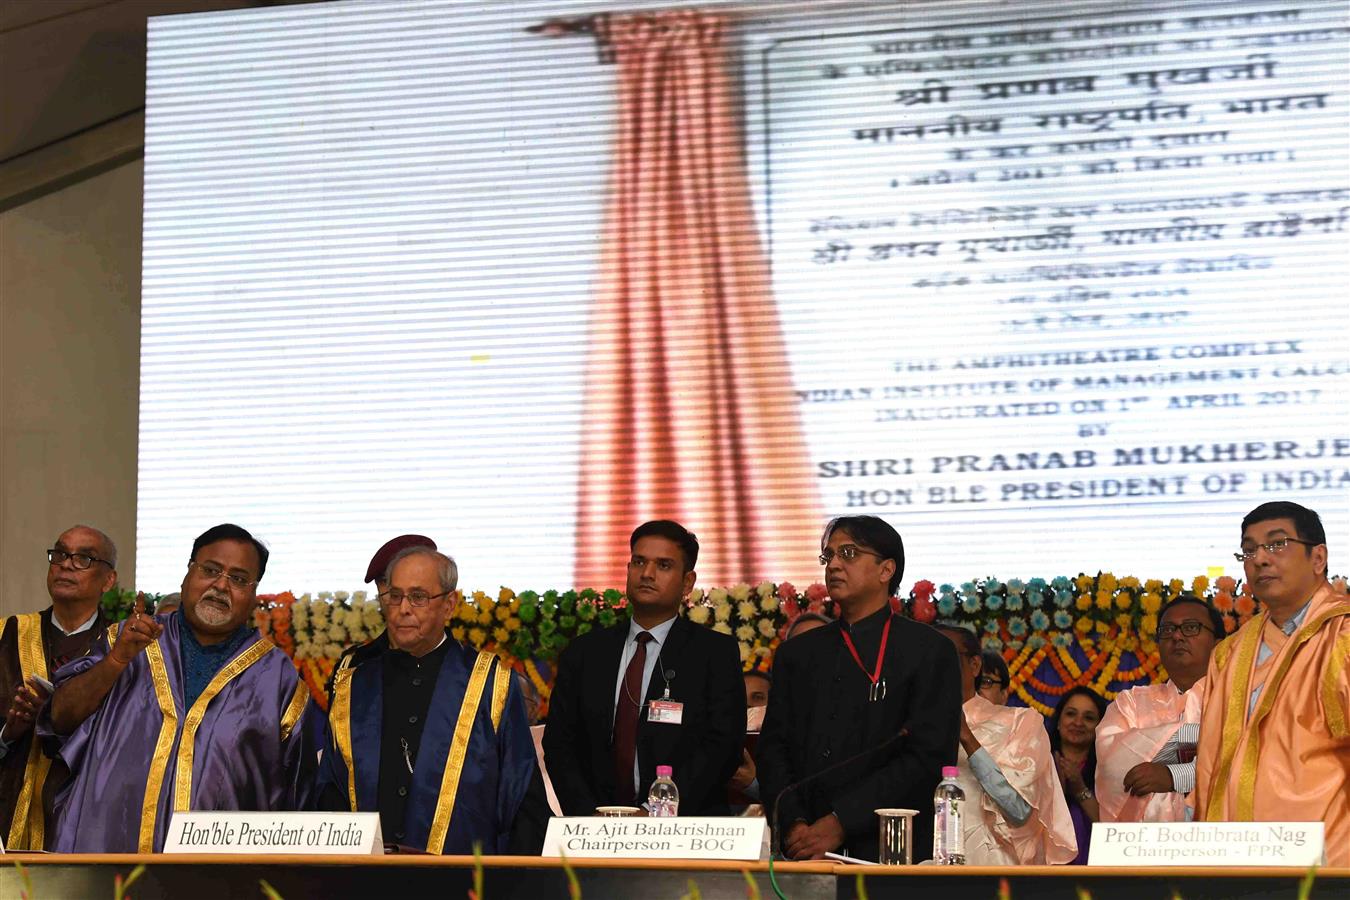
(699,615)
(769,604)
(765,589)
(332,651)
(740,592)
(722,612)
(745,633)
(722,628)
(337,633)
(359,597)
(718,595)
(341,596)
(745,610)
(319,614)
(766,628)
(304,650)
(325,595)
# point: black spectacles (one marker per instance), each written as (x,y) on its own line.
(395,597)
(211,571)
(1273,547)
(1190,628)
(991,682)
(847,552)
(56,556)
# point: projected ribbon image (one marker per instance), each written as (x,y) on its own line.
(689,407)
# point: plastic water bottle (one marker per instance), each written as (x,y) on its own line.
(664,798)
(948,839)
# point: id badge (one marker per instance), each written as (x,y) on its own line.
(670,712)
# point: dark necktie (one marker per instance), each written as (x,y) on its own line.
(626,721)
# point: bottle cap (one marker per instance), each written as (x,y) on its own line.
(663,771)
(947,771)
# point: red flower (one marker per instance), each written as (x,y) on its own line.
(817,593)
(923,590)
(786,591)
(924,610)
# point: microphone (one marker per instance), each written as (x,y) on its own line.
(887,744)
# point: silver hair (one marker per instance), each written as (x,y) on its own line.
(446,568)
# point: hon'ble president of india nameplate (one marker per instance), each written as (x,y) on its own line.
(319,833)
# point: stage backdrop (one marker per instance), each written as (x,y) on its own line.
(1057,294)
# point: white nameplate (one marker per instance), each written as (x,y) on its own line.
(681,837)
(328,834)
(1207,844)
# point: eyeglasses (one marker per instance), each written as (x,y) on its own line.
(56,556)
(992,682)
(395,597)
(847,552)
(211,571)
(1276,546)
(1190,628)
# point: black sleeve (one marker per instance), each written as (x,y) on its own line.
(719,752)
(565,737)
(773,756)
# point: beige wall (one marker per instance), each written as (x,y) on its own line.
(70,287)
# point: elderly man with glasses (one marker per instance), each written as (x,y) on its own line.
(1146,741)
(81,566)
(427,732)
(1275,721)
(192,709)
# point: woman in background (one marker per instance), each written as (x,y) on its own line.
(1073,732)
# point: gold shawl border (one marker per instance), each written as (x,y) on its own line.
(340,714)
(27,827)
(1234,716)
(501,686)
(294,709)
(182,793)
(159,763)
(1246,799)
(1336,713)
(459,748)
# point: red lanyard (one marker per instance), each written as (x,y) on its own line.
(881,653)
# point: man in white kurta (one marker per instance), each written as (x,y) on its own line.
(1146,741)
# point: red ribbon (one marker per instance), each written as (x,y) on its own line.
(881,653)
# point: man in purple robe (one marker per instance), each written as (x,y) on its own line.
(191,710)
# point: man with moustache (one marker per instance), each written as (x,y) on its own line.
(429,733)
(1274,732)
(864,712)
(1146,741)
(653,691)
(81,567)
(192,710)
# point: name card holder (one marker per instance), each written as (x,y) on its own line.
(263,833)
(1207,844)
(680,837)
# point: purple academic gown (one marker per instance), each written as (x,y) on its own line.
(251,749)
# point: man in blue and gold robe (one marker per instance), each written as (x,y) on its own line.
(428,733)
(190,710)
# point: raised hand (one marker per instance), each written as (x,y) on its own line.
(23,709)
(137,633)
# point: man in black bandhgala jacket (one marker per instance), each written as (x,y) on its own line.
(864,712)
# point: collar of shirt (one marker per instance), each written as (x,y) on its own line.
(1296,620)
(88,623)
(872,622)
(658,632)
(405,660)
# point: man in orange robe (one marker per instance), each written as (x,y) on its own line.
(1015,812)
(1146,741)
(1274,732)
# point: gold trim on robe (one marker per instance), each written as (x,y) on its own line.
(159,763)
(501,686)
(1338,717)
(182,801)
(459,748)
(295,709)
(341,716)
(26,830)
(1235,715)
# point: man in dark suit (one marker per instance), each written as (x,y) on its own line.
(842,696)
(656,690)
